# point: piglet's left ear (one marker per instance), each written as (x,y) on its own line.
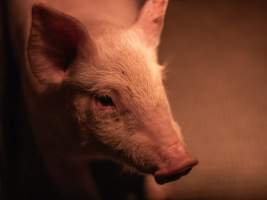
(150,21)
(57,41)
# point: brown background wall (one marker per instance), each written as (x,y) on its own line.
(217,82)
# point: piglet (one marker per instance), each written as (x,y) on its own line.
(94,90)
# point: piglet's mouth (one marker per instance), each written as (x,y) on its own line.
(173,173)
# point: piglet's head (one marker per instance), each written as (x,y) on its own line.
(110,87)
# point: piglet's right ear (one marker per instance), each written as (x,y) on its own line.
(57,41)
(151,20)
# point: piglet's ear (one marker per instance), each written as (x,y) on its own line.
(150,21)
(57,41)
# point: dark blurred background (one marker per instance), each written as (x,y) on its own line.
(217,86)
(217,83)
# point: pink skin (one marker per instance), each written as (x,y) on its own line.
(102,82)
(181,164)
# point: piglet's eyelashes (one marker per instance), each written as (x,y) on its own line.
(104,100)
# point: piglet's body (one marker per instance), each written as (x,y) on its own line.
(93,89)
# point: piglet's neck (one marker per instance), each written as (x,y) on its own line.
(54,135)
(49,118)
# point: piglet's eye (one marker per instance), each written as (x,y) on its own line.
(105,100)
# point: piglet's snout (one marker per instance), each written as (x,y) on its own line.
(177,163)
